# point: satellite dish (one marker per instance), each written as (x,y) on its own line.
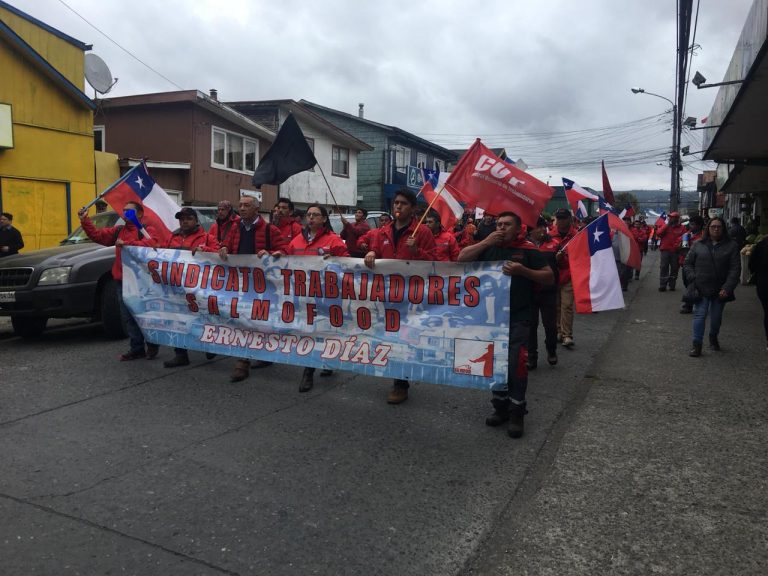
(97,74)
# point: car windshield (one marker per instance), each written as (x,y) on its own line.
(103,220)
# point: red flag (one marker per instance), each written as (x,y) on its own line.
(482,179)
(607,190)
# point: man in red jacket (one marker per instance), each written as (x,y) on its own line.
(640,233)
(118,236)
(403,239)
(226,222)
(252,235)
(561,233)
(189,236)
(446,247)
(353,231)
(669,234)
(285,221)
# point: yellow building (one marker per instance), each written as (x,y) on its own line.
(47,168)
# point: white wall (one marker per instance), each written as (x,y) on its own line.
(308,187)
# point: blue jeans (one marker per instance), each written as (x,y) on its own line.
(707,305)
(135,337)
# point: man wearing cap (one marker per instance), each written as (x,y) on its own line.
(562,232)
(189,236)
(669,235)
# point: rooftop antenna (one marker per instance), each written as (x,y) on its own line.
(98,75)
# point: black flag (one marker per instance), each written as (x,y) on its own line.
(288,155)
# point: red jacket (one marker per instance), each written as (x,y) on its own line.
(219,234)
(563,267)
(127,233)
(366,239)
(670,236)
(276,242)
(384,243)
(196,238)
(289,228)
(446,247)
(324,243)
(641,236)
(351,233)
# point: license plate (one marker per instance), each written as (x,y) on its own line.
(7,296)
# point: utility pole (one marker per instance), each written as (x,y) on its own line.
(674,190)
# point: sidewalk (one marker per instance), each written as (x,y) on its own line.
(663,467)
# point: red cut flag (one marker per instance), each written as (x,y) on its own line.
(607,190)
(483,180)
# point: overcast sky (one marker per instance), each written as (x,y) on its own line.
(448,71)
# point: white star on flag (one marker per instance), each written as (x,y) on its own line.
(139,181)
(597,235)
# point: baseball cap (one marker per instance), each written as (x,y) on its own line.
(562,213)
(186,211)
(541,222)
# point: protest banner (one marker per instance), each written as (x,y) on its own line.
(439,322)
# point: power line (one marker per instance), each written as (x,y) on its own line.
(76,13)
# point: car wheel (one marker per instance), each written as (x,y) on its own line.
(111,318)
(29,326)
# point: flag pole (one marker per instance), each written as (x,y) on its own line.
(423,216)
(335,203)
(108,188)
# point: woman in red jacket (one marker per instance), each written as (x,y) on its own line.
(317,239)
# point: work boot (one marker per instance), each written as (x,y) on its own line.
(552,358)
(152,350)
(500,413)
(326,372)
(133,355)
(568,342)
(241,371)
(532,362)
(180,359)
(260,364)
(210,355)
(696,350)
(307,380)
(398,393)
(714,344)
(516,426)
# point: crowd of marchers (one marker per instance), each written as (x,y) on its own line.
(541,291)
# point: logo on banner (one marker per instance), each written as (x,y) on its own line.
(474,357)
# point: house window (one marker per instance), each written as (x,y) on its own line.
(311,143)
(340,165)
(421,160)
(98,138)
(439,165)
(232,151)
(402,158)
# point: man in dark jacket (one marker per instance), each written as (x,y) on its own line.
(10,238)
(737,233)
(526,267)
(544,301)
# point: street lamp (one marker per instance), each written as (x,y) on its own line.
(674,193)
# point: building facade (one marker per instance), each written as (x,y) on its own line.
(198,149)
(46,128)
(333,182)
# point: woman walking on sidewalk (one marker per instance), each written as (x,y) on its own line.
(712,267)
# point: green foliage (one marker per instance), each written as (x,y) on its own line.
(624,198)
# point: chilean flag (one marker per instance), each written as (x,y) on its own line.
(440,199)
(661,220)
(596,284)
(606,207)
(137,185)
(575,194)
(628,212)
(628,249)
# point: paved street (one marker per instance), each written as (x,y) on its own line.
(636,460)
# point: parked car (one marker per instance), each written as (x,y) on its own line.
(372,219)
(72,280)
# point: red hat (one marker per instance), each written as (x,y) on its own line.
(674,214)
